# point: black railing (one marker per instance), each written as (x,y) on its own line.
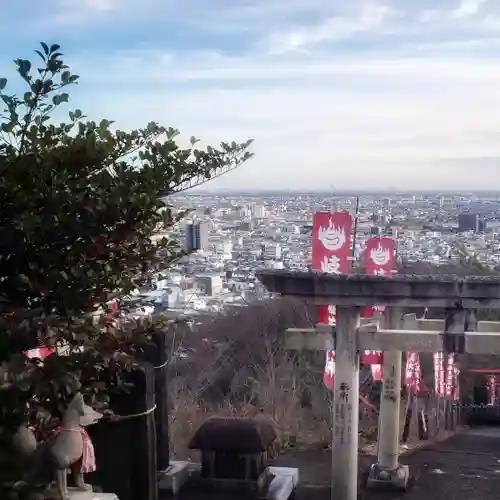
(480,414)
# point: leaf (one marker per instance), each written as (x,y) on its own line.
(54,48)
(3,83)
(65,77)
(23,67)
(45,48)
(7,127)
(60,98)
(42,57)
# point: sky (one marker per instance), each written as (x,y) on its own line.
(340,94)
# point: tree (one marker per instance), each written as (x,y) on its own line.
(79,203)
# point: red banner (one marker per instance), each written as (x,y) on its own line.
(331,246)
(492,390)
(413,372)
(372,358)
(380,256)
(379,260)
(439,375)
(450,376)
(377,372)
(456,388)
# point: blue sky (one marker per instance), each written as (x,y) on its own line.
(354,94)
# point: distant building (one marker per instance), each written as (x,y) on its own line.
(258,211)
(468,222)
(271,251)
(197,236)
(211,284)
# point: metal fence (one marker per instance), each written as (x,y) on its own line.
(480,414)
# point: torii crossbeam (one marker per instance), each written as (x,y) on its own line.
(461,333)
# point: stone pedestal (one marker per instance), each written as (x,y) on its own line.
(174,478)
(285,480)
(76,494)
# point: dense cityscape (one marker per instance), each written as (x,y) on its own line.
(231,236)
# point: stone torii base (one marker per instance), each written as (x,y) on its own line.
(352,292)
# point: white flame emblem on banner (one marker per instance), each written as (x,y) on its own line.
(380,255)
(332,237)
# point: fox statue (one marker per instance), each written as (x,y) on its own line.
(68,449)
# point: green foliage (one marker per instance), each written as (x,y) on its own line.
(79,203)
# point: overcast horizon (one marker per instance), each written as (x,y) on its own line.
(356,95)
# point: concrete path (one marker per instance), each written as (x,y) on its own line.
(465,466)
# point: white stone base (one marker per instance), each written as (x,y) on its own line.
(174,478)
(283,484)
(380,479)
(104,496)
(76,494)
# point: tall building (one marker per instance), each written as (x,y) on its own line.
(257,211)
(468,222)
(197,236)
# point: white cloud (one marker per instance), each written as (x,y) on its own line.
(360,94)
(70,13)
(468,8)
(369,17)
(428,16)
(318,120)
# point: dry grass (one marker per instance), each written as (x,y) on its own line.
(297,426)
(242,369)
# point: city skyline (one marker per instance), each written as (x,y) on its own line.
(358,95)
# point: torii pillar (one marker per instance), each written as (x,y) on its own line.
(352,292)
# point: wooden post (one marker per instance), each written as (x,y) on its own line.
(145,477)
(162,400)
(446,408)
(408,417)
